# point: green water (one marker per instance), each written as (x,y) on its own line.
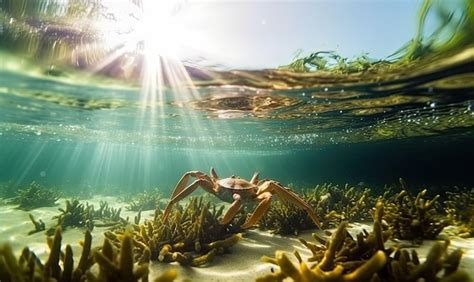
(369,121)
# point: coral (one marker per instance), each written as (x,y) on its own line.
(35,196)
(113,264)
(148,200)
(332,203)
(365,258)
(413,218)
(459,208)
(191,236)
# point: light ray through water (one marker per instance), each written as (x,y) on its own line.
(156,37)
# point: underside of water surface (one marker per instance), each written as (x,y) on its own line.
(78,108)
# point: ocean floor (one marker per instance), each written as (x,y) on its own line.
(242,264)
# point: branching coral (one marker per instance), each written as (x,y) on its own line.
(191,236)
(365,258)
(332,203)
(35,196)
(113,264)
(413,218)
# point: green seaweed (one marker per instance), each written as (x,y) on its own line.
(422,47)
(191,236)
(35,196)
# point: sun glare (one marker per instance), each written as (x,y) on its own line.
(152,24)
(159,27)
(152,33)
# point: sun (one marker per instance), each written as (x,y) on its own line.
(152,26)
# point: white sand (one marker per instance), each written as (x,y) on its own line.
(242,264)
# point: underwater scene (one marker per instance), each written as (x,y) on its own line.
(201,140)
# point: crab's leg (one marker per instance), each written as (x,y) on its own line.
(184,181)
(254,179)
(206,185)
(288,195)
(214,176)
(265,199)
(232,211)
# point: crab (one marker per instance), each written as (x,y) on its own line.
(239,192)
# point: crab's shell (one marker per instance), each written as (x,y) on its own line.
(232,185)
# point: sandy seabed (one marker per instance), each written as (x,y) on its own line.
(242,264)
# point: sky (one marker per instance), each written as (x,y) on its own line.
(266,34)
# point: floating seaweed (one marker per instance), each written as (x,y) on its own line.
(113,264)
(35,196)
(365,258)
(459,208)
(332,203)
(191,236)
(413,218)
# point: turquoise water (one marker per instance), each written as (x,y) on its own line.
(66,124)
(109,103)
(74,135)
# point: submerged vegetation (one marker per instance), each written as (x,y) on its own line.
(147,200)
(332,203)
(35,196)
(77,214)
(191,236)
(459,208)
(413,218)
(409,217)
(80,215)
(366,258)
(113,264)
